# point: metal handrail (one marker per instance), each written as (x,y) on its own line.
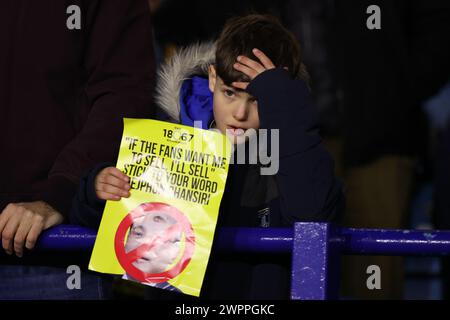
(316,248)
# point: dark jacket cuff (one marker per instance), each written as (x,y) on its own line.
(89,184)
(87,209)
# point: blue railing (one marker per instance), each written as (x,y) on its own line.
(316,248)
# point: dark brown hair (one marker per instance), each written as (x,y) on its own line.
(241,35)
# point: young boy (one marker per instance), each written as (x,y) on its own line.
(252,78)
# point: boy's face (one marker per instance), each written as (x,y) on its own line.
(154,229)
(235,111)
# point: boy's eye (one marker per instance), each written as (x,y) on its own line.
(229,93)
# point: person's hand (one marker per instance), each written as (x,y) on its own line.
(22,223)
(112,184)
(252,68)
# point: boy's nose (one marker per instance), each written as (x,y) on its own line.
(241,112)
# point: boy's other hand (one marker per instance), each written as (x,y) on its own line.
(252,68)
(112,184)
(22,223)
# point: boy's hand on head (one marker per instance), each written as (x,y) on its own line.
(112,184)
(252,68)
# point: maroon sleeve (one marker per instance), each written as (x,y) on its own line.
(119,62)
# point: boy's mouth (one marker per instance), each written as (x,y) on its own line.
(235,131)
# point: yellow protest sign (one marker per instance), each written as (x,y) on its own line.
(162,234)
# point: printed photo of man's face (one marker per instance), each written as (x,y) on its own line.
(159,234)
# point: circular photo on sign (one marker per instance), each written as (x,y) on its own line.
(159,245)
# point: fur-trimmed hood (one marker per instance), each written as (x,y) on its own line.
(186,63)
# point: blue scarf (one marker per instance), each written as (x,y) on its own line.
(196,102)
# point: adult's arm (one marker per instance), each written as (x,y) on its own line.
(119,65)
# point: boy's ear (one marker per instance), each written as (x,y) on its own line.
(212,77)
